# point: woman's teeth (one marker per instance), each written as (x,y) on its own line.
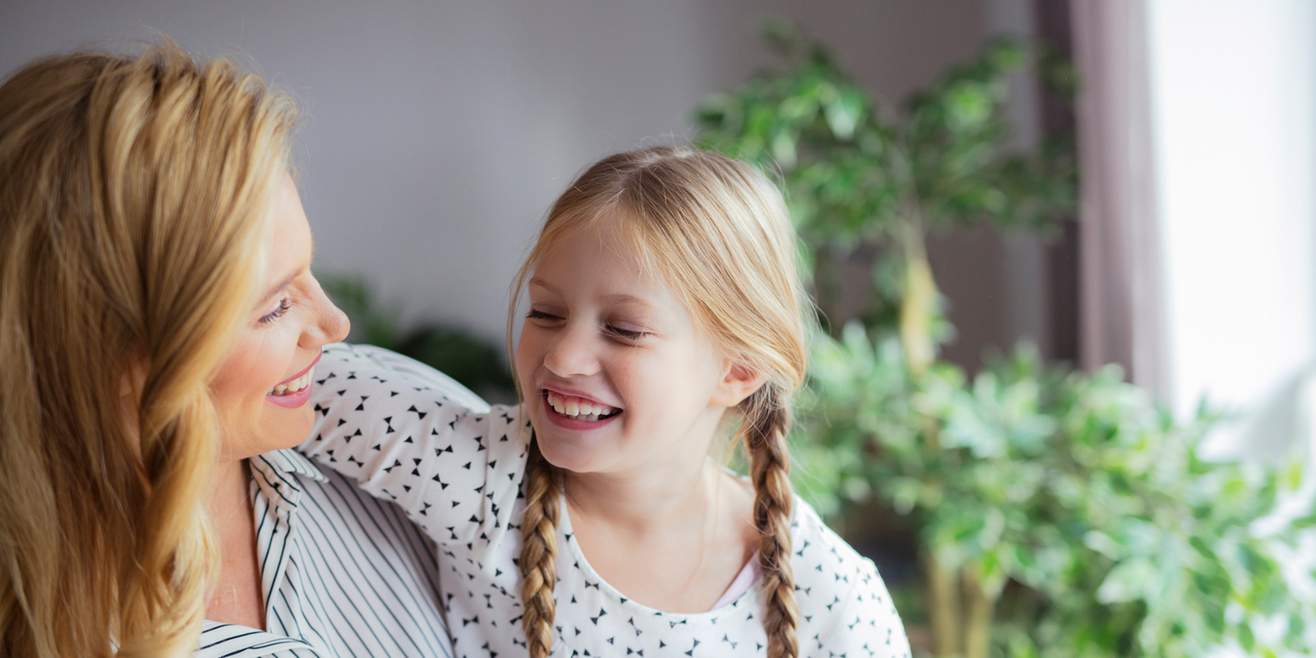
(294,386)
(577,408)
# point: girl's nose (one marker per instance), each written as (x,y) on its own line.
(571,354)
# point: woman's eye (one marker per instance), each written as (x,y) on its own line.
(278,312)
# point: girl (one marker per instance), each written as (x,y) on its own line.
(665,311)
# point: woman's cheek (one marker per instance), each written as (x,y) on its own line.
(251,371)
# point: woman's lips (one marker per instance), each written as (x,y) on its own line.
(291,400)
(299,397)
(303,371)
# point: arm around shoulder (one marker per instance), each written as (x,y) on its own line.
(391,426)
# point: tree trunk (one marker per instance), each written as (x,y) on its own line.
(944,607)
(917,304)
(978,632)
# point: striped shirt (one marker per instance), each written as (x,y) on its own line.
(342,573)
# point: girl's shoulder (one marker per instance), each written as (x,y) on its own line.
(820,556)
(843,601)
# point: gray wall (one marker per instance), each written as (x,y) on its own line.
(435,134)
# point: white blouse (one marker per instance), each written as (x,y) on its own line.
(342,574)
(458,474)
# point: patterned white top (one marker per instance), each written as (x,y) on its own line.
(458,473)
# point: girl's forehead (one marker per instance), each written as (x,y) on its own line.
(612,269)
(602,252)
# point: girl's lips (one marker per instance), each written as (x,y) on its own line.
(570,392)
(567,422)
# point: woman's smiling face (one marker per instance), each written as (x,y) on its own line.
(262,389)
(614,372)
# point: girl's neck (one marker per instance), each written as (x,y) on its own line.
(693,534)
(650,502)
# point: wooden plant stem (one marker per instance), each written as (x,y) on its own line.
(980,605)
(944,608)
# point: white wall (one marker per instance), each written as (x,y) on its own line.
(1233,94)
(437,133)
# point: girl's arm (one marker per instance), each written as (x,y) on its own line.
(383,421)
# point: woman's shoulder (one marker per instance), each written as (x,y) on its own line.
(843,601)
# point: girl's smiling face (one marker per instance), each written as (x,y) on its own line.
(262,389)
(613,370)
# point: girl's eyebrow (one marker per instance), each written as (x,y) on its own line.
(615,298)
(536,281)
(621,298)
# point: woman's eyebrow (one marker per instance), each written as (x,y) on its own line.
(283,283)
(277,287)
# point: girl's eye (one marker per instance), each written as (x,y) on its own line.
(542,316)
(628,334)
(278,311)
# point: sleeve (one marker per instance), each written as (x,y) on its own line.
(456,471)
(864,621)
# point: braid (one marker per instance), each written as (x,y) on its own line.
(770,469)
(538,560)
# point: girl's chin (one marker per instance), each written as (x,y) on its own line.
(567,455)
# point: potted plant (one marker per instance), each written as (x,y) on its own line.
(1057,512)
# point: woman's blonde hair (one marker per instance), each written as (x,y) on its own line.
(718,232)
(134,196)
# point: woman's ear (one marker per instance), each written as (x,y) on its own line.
(739,381)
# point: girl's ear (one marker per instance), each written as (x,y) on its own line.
(739,381)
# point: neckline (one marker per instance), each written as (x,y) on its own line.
(578,554)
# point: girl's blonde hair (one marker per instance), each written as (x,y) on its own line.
(718,232)
(134,196)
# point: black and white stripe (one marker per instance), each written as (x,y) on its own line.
(342,573)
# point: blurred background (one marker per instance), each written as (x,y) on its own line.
(1063,392)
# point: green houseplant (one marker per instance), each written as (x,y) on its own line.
(1043,498)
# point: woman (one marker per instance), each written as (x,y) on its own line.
(159,329)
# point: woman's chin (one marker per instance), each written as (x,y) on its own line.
(286,428)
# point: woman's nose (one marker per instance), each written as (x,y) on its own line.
(330,323)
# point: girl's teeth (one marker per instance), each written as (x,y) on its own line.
(576,407)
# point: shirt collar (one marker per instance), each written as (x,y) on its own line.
(277,473)
(220,640)
(290,461)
